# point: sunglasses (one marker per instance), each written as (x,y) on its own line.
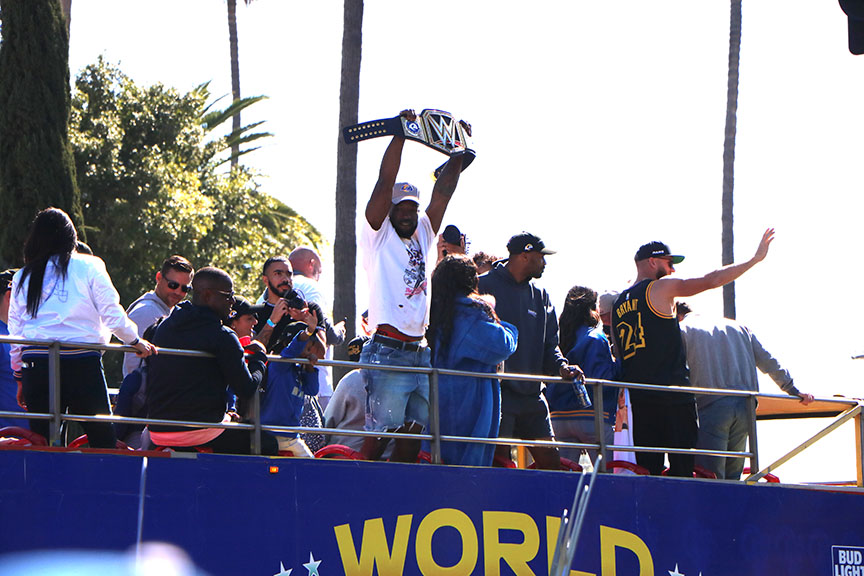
(172,285)
(228,295)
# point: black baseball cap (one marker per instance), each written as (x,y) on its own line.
(355,347)
(6,279)
(657,250)
(242,306)
(854,10)
(527,242)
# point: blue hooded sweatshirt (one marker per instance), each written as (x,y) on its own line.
(591,352)
(471,406)
(287,384)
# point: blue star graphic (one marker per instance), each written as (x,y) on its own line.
(312,566)
(282,571)
(675,573)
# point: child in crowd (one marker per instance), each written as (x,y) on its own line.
(288,383)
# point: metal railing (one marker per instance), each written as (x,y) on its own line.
(435,438)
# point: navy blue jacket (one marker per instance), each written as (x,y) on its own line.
(529,309)
(287,386)
(183,388)
(590,352)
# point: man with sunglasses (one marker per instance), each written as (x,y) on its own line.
(173,282)
(648,343)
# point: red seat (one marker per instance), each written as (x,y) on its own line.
(17,436)
(502,462)
(424,457)
(700,472)
(338,452)
(83,442)
(770,478)
(625,465)
(566,464)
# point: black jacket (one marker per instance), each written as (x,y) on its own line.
(184,388)
(529,308)
(287,327)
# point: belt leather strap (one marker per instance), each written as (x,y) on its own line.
(434,128)
(398,344)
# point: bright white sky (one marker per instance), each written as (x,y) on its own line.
(598,126)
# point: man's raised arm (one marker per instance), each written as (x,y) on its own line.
(445,186)
(379,203)
(666,289)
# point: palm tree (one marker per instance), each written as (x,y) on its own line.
(235,71)
(727,237)
(66,6)
(345,244)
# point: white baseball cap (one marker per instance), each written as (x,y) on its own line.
(404,191)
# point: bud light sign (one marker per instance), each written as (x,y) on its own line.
(848,560)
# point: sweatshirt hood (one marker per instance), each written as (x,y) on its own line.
(187,316)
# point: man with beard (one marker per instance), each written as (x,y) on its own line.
(649,345)
(524,410)
(396,242)
(277,325)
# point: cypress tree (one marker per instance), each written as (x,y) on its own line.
(37,169)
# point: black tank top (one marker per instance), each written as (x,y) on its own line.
(649,344)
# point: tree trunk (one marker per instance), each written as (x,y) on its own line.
(37,169)
(235,73)
(345,244)
(727,237)
(66,5)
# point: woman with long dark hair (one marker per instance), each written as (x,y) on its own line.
(63,295)
(582,340)
(465,334)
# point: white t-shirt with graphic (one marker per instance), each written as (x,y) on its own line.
(399,275)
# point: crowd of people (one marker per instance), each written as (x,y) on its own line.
(480,315)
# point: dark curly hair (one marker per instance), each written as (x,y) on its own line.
(454,277)
(580,309)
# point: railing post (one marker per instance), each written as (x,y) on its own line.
(859,449)
(754,445)
(54,393)
(256,420)
(599,424)
(434,421)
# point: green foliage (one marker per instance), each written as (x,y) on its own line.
(36,166)
(150,188)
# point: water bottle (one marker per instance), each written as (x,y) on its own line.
(581,394)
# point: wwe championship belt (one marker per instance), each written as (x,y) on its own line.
(434,128)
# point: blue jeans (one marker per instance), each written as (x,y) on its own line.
(395,398)
(723,425)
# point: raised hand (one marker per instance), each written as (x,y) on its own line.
(762,250)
